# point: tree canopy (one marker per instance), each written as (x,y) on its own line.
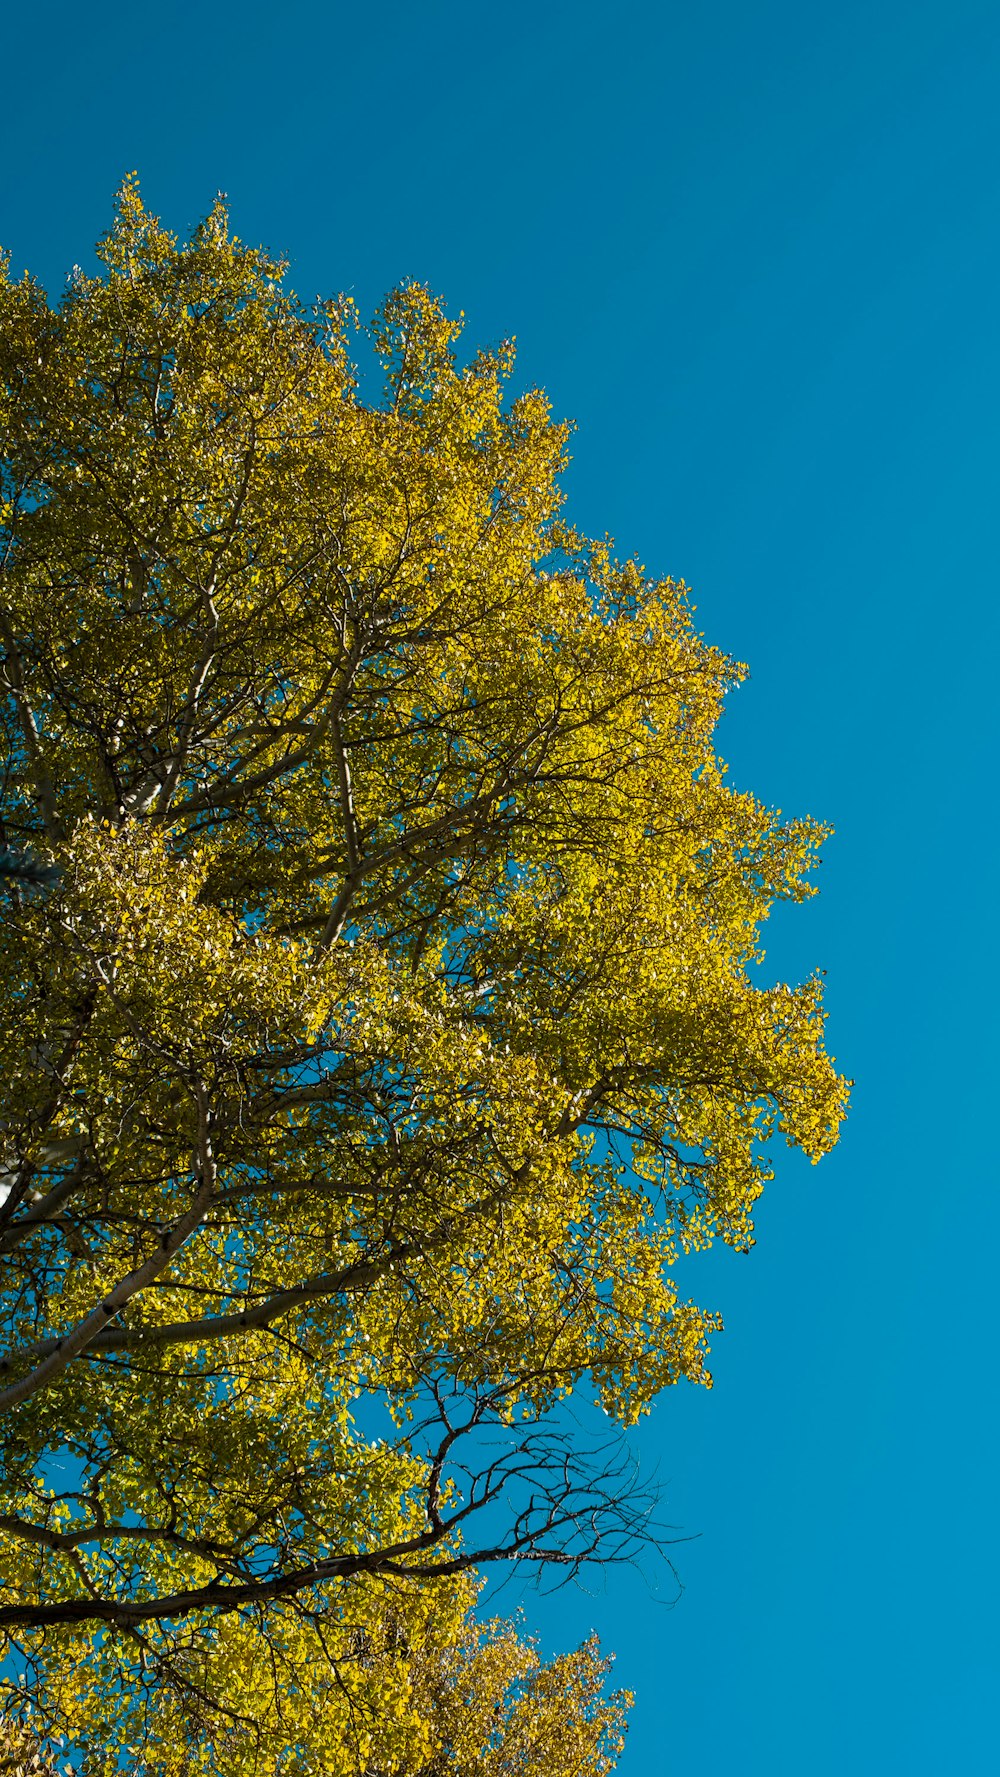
(380,954)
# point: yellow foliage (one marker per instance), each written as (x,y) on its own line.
(394,1016)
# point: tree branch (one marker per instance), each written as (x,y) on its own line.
(96,1322)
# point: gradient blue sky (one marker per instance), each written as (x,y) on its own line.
(754,250)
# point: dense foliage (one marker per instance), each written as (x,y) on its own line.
(385,1032)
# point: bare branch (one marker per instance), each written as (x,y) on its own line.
(559,1507)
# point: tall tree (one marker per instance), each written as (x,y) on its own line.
(388,1024)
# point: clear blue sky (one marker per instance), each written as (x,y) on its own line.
(754,249)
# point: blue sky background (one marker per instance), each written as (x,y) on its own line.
(754,250)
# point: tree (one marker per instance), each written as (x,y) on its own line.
(386,1028)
